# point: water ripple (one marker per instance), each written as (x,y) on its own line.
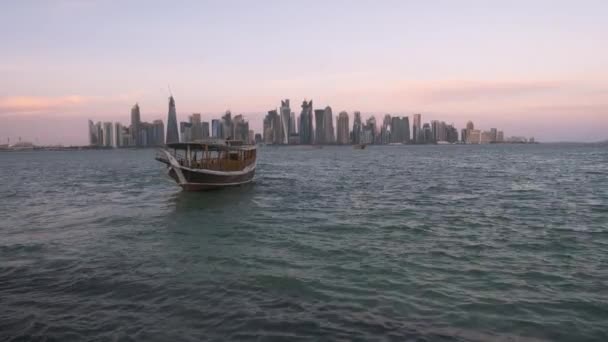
(433,243)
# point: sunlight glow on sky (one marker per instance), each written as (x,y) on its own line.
(531,68)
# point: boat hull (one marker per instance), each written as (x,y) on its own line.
(195,180)
(190,179)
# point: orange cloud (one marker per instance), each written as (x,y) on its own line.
(64,104)
(33,104)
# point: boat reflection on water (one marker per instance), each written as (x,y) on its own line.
(214,201)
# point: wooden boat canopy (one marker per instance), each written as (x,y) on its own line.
(214,155)
(211,145)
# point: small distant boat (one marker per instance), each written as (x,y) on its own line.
(200,166)
(359,146)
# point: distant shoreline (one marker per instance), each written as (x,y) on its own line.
(72,148)
(103,148)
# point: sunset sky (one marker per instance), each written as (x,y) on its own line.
(531,68)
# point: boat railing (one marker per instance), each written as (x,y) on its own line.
(225,161)
(214,164)
(161,156)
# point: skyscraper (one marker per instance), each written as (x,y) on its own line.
(118,134)
(463,135)
(306,133)
(135,125)
(493,134)
(400,130)
(486,137)
(205,127)
(473,136)
(272,128)
(147,134)
(406,129)
(370,130)
(366,135)
(439,132)
(285,119)
(443,132)
(357,128)
(451,134)
(330,135)
(320,127)
(469,128)
(267,130)
(311,119)
(395,129)
(197,128)
(126,137)
(186,131)
(227,127)
(342,134)
(417,133)
(434,130)
(298,128)
(427,134)
(251,137)
(216,128)
(93,135)
(108,134)
(293,138)
(292,124)
(172,132)
(99,130)
(500,137)
(385,130)
(158,135)
(241,128)
(277,127)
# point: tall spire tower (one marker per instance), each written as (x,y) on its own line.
(172,132)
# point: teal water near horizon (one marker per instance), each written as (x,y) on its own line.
(390,243)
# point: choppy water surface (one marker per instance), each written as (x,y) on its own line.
(446,243)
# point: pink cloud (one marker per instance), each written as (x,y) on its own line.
(63,104)
(34,104)
(482,90)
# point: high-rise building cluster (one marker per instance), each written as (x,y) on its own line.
(316,126)
(279,128)
(227,127)
(283,127)
(137,134)
(470,135)
(144,134)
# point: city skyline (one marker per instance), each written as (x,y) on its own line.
(208,123)
(533,68)
(284,127)
(71,136)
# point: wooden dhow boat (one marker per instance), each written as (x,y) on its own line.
(207,165)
